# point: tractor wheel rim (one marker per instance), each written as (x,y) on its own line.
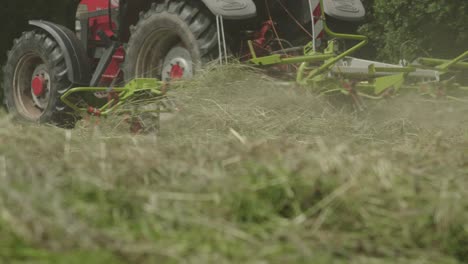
(159,52)
(31,86)
(40,86)
(177,65)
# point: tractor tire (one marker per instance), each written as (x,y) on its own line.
(34,78)
(171,41)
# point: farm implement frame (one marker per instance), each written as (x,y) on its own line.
(332,71)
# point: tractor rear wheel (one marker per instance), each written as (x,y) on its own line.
(170,41)
(35,76)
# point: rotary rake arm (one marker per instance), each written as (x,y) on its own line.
(445,65)
(152,89)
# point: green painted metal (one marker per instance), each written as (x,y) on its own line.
(278,59)
(152,86)
(328,63)
(447,65)
(430,62)
(394,69)
(394,82)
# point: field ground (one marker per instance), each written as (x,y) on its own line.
(250,171)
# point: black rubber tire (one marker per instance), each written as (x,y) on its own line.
(44,48)
(190,21)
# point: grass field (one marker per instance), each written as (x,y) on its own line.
(249,171)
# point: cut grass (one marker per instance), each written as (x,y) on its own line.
(249,171)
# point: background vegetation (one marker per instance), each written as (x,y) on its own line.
(411,28)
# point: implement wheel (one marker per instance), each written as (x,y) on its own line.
(35,76)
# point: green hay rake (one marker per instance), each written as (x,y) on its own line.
(331,71)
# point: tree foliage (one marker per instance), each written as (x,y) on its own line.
(410,28)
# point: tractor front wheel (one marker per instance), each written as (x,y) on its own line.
(35,76)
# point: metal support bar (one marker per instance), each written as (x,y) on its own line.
(314,34)
(104,63)
(452,64)
(447,65)
(222,47)
(84,34)
(124,94)
(279,59)
(394,69)
(252,50)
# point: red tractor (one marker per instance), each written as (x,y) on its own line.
(116,41)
